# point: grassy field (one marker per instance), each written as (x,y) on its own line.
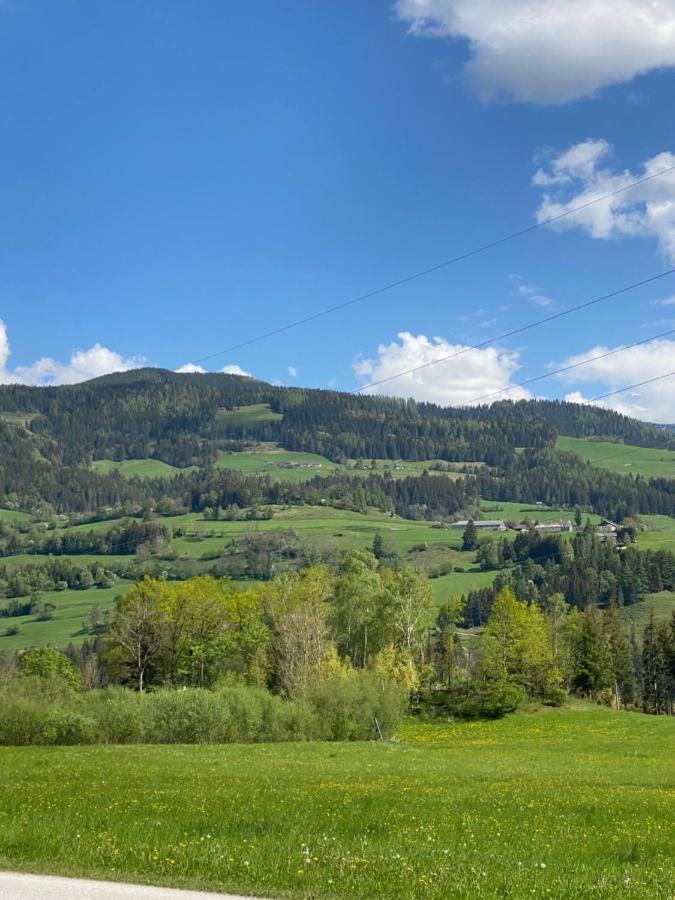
(566,804)
(13,517)
(267,462)
(322,526)
(139,468)
(72,609)
(246,415)
(622,458)
(662,605)
(518,511)
(266,459)
(458,584)
(660,533)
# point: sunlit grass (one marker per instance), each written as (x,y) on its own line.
(569,803)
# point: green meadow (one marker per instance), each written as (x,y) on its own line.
(659,534)
(66,625)
(247,415)
(623,459)
(571,803)
(275,462)
(139,468)
(13,517)
(661,606)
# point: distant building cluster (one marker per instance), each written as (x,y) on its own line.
(607,531)
(483,524)
(299,465)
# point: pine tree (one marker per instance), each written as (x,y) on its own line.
(592,663)
(620,653)
(470,537)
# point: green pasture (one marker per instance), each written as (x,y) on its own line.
(661,606)
(322,525)
(13,517)
(139,468)
(623,459)
(517,512)
(268,462)
(72,609)
(248,415)
(29,559)
(573,803)
(660,533)
(458,584)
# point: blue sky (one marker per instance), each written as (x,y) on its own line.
(178,178)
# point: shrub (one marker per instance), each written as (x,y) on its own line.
(21,720)
(48,663)
(351,709)
(188,716)
(490,700)
(120,714)
(67,726)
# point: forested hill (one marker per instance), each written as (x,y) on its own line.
(182,419)
(50,437)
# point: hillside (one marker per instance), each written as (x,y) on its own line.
(622,458)
(170,434)
(154,472)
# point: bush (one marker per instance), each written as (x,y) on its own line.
(120,715)
(21,720)
(188,716)
(67,726)
(350,709)
(490,700)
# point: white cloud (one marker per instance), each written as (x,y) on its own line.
(532,293)
(669,301)
(651,402)
(293,371)
(550,51)
(582,174)
(191,369)
(83,365)
(452,382)
(235,370)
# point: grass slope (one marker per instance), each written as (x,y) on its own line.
(622,458)
(566,803)
(661,606)
(13,517)
(267,462)
(247,415)
(72,609)
(139,468)
(660,533)
(266,459)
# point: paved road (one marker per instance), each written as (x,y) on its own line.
(44,887)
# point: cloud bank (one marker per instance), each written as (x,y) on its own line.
(652,402)
(193,368)
(82,366)
(583,173)
(452,382)
(550,51)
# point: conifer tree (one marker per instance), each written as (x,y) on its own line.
(470,536)
(592,663)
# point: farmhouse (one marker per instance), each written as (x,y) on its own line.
(607,527)
(559,526)
(483,524)
(607,532)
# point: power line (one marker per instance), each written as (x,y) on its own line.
(631,387)
(578,365)
(438,267)
(516,331)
